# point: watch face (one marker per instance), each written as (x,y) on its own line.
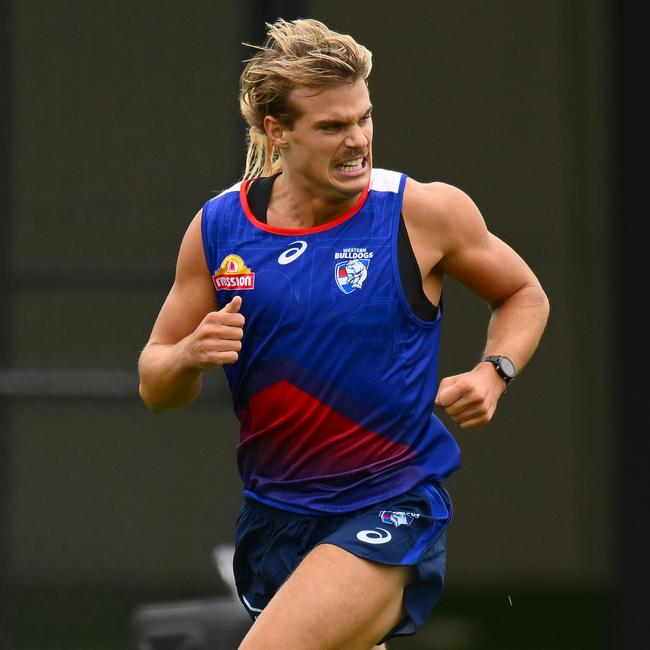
(507,366)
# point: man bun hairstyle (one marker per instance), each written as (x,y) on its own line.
(302,52)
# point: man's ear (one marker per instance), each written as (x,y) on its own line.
(275,131)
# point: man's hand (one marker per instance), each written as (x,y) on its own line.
(470,399)
(217,339)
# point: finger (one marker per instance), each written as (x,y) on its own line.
(448,393)
(224,345)
(229,332)
(224,353)
(233,306)
(228,358)
(457,408)
(474,422)
(472,415)
(223,318)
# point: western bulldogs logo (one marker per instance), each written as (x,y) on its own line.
(351,274)
(398,518)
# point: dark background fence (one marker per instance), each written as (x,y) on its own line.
(121,119)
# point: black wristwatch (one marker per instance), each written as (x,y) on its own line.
(503,366)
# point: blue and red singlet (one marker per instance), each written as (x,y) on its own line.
(335,382)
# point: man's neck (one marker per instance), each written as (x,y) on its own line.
(295,203)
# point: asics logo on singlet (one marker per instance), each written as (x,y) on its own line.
(377,536)
(293,253)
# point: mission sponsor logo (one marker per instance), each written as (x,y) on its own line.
(352,271)
(233,275)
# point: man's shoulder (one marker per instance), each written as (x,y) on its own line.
(436,197)
(439,210)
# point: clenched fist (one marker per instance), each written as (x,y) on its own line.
(470,398)
(217,339)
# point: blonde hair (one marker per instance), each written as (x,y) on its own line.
(298,53)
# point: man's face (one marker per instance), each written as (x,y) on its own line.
(329,148)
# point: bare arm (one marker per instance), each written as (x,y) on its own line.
(467,251)
(189,336)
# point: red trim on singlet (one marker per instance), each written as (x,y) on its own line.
(243,195)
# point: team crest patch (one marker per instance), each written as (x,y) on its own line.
(352,271)
(233,275)
(398,518)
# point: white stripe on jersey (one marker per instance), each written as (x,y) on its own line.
(384,180)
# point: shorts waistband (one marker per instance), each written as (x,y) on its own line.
(423,488)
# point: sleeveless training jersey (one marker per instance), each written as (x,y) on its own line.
(335,382)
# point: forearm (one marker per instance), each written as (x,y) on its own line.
(517,324)
(166,380)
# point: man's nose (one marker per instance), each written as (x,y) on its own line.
(356,138)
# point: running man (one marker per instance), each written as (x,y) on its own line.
(316,284)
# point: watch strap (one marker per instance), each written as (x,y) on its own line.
(496,361)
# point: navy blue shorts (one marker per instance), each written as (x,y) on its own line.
(405,530)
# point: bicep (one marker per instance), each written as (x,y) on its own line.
(192,294)
(489,268)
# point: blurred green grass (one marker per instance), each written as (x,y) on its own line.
(536,620)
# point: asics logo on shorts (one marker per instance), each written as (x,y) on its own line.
(293,253)
(377,536)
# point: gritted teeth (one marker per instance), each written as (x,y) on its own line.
(352,163)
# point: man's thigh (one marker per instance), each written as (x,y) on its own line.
(333,600)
